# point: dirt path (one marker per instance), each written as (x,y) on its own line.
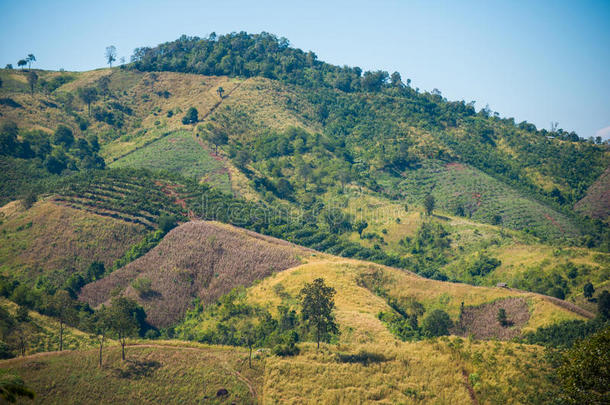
(473,396)
(207,114)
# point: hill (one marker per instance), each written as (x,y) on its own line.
(198,260)
(154,373)
(49,242)
(446,370)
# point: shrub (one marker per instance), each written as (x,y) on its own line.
(437,323)
(191,116)
(167,223)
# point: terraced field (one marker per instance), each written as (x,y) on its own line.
(179,152)
(482,197)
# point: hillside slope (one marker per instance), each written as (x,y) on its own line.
(53,241)
(198,260)
(596,203)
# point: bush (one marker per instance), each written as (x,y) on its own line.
(437,323)
(143,286)
(191,117)
(167,223)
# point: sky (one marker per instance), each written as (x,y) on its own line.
(539,61)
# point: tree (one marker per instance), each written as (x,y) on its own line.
(61,307)
(360,226)
(9,66)
(31,58)
(217,137)
(102,323)
(21,63)
(167,223)
(429,203)
(248,335)
(437,323)
(502,317)
(220,92)
(124,320)
(396,80)
(8,138)
(317,306)
(29,199)
(588,290)
(63,136)
(191,117)
(88,95)
(32,80)
(110,54)
(584,373)
(12,386)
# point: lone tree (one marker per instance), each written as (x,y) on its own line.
(123,314)
(317,306)
(32,80)
(217,137)
(21,63)
(220,92)
(31,58)
(360,227)
(248,336)
(88,95)
(502,317)
(429,203)
(61,307)
(191,117)
(102,326)
(437,323)
(588,290)
(110,54)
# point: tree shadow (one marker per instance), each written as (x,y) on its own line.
(137,369)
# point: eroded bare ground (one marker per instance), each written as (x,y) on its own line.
(482,321)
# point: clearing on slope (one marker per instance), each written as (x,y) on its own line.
(55,240)
(596,203)
(199,259)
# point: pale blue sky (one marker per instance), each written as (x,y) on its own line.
(539,61)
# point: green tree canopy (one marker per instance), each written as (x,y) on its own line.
(437,323)
(585,372)
(317,304)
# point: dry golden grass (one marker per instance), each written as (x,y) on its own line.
(437,371)
(357,307)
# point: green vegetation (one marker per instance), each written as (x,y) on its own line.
(180,153)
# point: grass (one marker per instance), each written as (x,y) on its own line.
(179,152)
(42,333)
(201,260)
(425,372)
(160,374)
(54,239)
(357,307)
